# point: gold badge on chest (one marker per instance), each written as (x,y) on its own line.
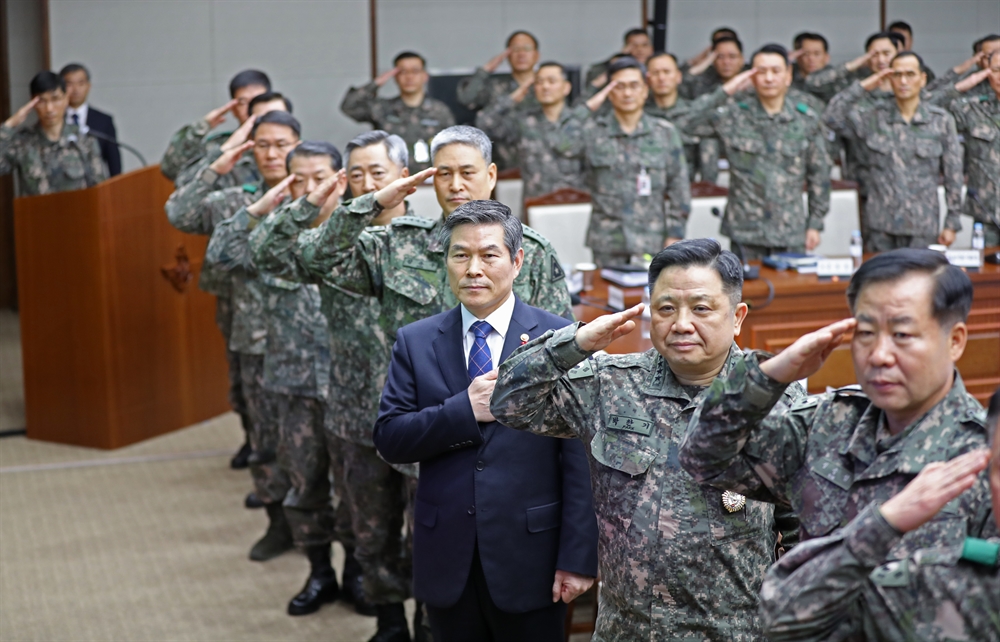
(733,502)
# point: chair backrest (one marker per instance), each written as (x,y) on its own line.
(510,192)
(563,218)
(840,221)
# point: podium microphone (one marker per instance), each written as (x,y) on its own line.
(103,136)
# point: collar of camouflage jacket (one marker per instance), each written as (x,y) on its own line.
(923,442)
(920,117)
(615,129)
(661,382)
(69,133)
(436,244)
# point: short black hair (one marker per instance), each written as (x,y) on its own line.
(249,78)
(719,41)
(267,97)
(909,54)
(702,253)
(74,67)
(278,118)
(810,35)
(552,63)
(638,31)
(895,38)
(900,25)
(403,55)
(522,32)
(952,297)
(45,81)
(729,31)
(625,62)
(313,148)
(978,45)
(772,48)
(661,54)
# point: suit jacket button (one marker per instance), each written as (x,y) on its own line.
(480,465)
(472,510)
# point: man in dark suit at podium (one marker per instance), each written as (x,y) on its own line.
(98,124)
(505,532)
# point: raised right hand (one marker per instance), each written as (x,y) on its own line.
(873,81)
(240,136)
(739,82)
(225,163)
(594,102)
(266,203)
(969,64)
(794,55)
(860,61)
(521,92)
(599,333)
(22,114)
(497,60)
(480,391)
(387,76)
(698,69)
(936,485)
(395,192)
(966,84)
(217,115)
(804,357)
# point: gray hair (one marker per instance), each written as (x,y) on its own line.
(463,135)
(486,213)
(395,146)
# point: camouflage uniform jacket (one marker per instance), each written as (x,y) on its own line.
(904,161)
(693,143)
(623,221)
(838,588)
(46,167)
(402,264)
(359,347)
(977,119)
(412,124)
(227,256)
(198,206)
(190,144)
(297,353)
(695,86)
(770,158)
(830,455)
(530,134)
(675,564)
(483,90)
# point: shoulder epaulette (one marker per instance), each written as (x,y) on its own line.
(934,109)
(250,188)
(581,370)
(805,402)
(535,235)
(414,221)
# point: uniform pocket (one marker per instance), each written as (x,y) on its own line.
(929,148)
(405,282)
(72,167)
(627,464)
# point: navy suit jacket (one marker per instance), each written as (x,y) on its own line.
(525,499)
(105,124)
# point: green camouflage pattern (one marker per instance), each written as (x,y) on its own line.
(270,478)
(412,124)
(830,455)
(533,139)
(770,159)
(674,563)
(840,588)
(701,147)
(483,90)
(905,161)
(188,146)
(43,166)
(622,221)
(977,120)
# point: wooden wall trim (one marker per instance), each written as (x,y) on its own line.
(373,36)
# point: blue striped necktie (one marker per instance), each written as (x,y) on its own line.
(480,359)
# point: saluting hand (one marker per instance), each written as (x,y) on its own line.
(217,115)
(936,485)
(594,102)
(480,391)
(873,81)
(602,331)
(739,82)
(22,114)
(700,67)
(521,92)
(271,198)
(497,60)
(225,163)
(968,64)
(795,54)
(240,136)
(861,60)
(333,200)
(393,194)
(387,76)
(804,357)
(966,84)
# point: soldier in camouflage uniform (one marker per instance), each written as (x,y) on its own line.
(774,145)
(483,90)
(838,587)
(830,456)
(192,142)
(413,115)
(532,132)
(977,119)
(50,156)
(910,144)
(636,43)
(631,162)
(359,349)
(678,560)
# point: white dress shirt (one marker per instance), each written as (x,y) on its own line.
(81,112)
(499,320)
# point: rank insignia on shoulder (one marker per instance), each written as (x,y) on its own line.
(557,271)
(581,370)
(733,502)
(250,188)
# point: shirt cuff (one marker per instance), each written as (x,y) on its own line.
(759,389)
(870,538)
(565,351)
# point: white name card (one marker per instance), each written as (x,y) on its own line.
(616,298)
(834,267)
(965,258)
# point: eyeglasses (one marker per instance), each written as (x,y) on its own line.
(909,75)
(281,145)
(522,49)
(627,86)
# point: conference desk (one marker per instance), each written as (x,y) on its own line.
(803,303)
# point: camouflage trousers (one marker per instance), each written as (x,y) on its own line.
(379,498)
(224,321)
(270,481)
(992,233)
(758,252)
(876,241)
(709,151)
(604,259)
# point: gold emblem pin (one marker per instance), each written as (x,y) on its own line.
(524,339)
(733,502)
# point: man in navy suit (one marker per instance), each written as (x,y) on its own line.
(77,79)
(505,533)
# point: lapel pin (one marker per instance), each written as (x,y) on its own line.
(524,339)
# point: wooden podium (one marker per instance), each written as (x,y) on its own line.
(113,351)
